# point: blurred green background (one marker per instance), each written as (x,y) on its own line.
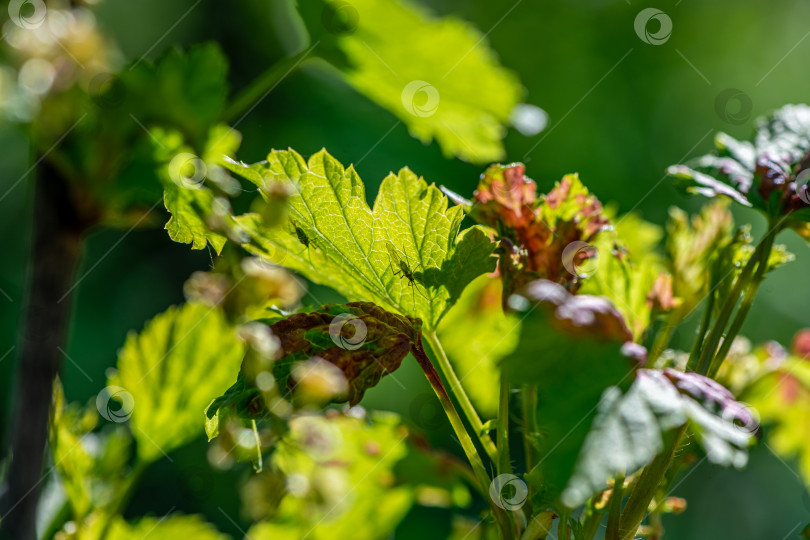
(620,110)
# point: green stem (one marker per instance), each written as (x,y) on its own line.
(591,524)
(460,395)
(614,514)
(701,335)
(664,335)
(261,86)
(762,254)
(644,490)
(461,432)
(504,463)
(710,347)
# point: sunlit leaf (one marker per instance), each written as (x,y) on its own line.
(183,358)
(462,97)
(348,245)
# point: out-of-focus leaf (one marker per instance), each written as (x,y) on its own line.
(342,479)
(477,335)
(631,428)
(768,174)
(627,270)
(337,240)
(91,464)
(782,399)
(392,58)
(691,246)
(182,359)
(573,348)
(167,528)
(332,354)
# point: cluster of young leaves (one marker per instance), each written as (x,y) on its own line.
(96,471)
(617,418)
(768,174)
(387,50)
(405,255)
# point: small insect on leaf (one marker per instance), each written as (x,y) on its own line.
(403,270)
(300,234)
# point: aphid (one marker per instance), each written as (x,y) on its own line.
(403,270)
(302,236)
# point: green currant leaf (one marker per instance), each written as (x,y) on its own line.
(430,92)
(183,358)
(571,347)
(405,255)
(770,173)
(631,428)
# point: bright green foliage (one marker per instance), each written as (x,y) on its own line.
(434,74)
(782,399)
(185,195)
(627,269)
(347,484)
(477,335)
(91,465)
(692,245)
(348,242)
(183,358)
(173,527)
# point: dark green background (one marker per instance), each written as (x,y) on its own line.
(619,130)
